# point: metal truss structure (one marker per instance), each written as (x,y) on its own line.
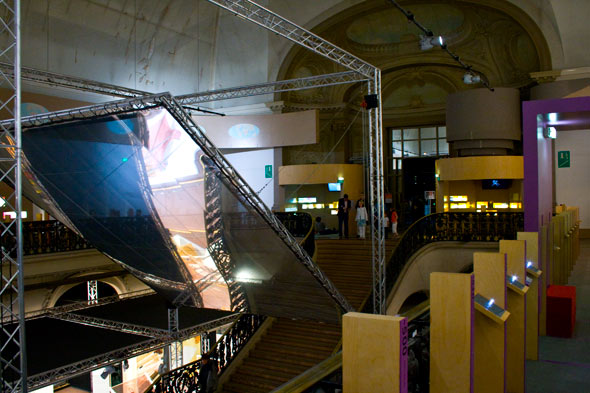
(310,82)
(176,346)
(275,23)
(84,304)
(123,327)
(85,366)
(250,196)
(13,359)
(92,291)
(58,80)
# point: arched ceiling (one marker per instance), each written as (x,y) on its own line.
(414,81)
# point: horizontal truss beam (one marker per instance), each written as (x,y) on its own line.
(58,80)
(310,82)
(85,366)
(84,304)
(123,327)
(69,82)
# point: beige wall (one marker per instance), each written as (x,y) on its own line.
(261,131)
(463,175)
(312,180)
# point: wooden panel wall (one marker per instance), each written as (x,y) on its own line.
(515,251)
(489,270)
(374,353)
(451,333)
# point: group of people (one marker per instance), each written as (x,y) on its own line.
(344,208)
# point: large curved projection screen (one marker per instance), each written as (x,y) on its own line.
(141,189)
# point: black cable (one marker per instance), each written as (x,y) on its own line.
(411,18)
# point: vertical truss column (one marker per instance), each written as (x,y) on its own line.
(13,360)
(92,291)
(377,196)
(176,346)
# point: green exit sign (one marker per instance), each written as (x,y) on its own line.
(268,171)
(563,159)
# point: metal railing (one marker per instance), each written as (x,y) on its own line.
(440,227)
(41,237)
(184,379)
(301,226)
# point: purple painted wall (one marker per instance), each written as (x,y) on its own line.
(538,159)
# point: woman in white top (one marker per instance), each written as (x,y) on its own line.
(361,219)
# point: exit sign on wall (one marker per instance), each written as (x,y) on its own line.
(563,159)
(268,171)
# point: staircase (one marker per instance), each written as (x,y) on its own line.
(290,347)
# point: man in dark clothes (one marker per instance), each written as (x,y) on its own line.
(207,377)
(344,206)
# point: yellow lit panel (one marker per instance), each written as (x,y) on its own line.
(334,212)
(515,205)
(445,198)
(458,198)
(500,205)
(482,204)
(459,206)
(319,205)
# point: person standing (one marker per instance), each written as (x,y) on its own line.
(361,218)
(344,206)
(393,222)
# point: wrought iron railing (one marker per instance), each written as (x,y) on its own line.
(184,379)
(440,227)
(300,224)
(41,237)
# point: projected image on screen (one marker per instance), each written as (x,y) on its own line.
(134,177)
(140,188)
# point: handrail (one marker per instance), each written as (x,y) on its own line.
(300,224)
(321,370)
(438,227)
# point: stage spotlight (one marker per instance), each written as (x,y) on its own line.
(429,42)
(471,79)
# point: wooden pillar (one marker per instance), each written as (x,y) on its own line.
(515,251)
(489,270)
(374,353)
(533,299)
(451,333)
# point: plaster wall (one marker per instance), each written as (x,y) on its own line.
(188,46)
(250,165)
(572,185)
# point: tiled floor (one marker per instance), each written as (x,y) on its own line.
(564,364)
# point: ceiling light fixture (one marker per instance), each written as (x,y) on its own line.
(429,42)
(471,79)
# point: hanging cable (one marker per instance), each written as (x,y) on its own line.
(411,18)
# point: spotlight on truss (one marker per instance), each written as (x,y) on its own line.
(429,42)
(471,79)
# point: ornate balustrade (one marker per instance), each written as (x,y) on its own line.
(41,237)
(439,227)
(300,225)
(184,379)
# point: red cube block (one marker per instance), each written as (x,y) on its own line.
(561,310)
